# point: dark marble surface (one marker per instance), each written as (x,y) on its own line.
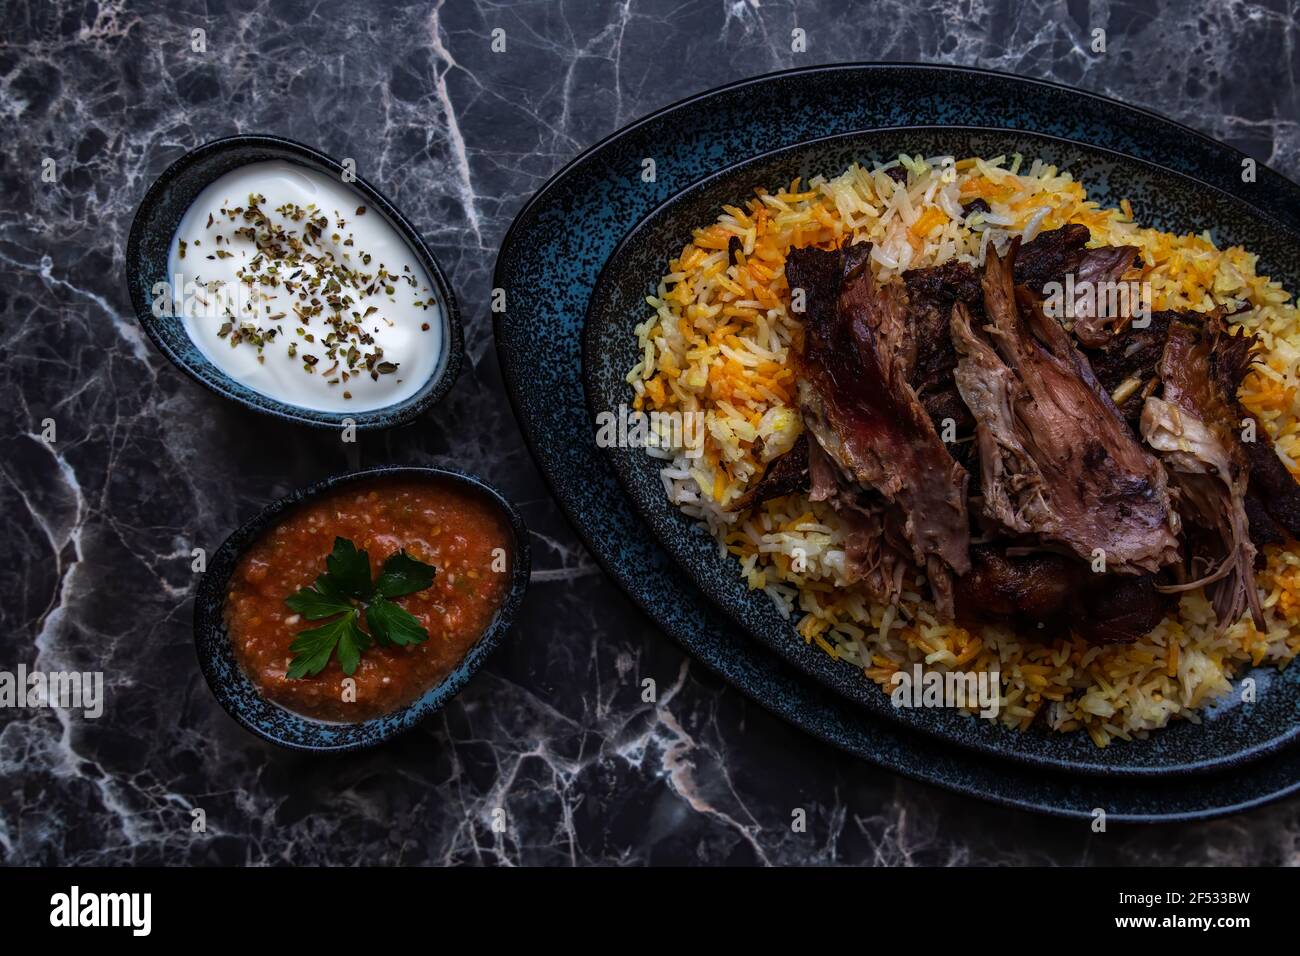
(146,465)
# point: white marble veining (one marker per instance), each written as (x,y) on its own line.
(146,466)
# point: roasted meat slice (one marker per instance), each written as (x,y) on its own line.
(859,407)
(1060,253)
(1026,593)
(950,282)
(1194,425)
(1051,256)
(1047,593)
(1264,529)
(1273,492)
(1118,608)
(930,297)
(1057,461)
(873,552)
(871,557)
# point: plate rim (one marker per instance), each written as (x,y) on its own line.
(621,462)
(910,65)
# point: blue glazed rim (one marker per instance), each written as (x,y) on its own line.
(148,247)
(235,691)
(912,94)
(1228,734)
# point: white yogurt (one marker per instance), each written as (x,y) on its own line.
(303,294)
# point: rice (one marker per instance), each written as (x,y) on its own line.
(718,342)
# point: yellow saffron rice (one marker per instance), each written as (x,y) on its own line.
(718,342)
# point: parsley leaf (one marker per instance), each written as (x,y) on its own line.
(321,600)
(343,592)
(352,641)
(312,648)
(349,569)
(403,574)
(391,624)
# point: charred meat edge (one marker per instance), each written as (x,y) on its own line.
(862,412)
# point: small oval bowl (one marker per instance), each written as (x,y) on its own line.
(149,246)
(241,698)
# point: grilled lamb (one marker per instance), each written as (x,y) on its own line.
(1057,460)
(864,415)
(1194,425)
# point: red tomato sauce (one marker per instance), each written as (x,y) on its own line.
(458,531)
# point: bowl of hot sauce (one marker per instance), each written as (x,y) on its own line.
(349,611)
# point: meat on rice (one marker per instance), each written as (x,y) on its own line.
(835,553)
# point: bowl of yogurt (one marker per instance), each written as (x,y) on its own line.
(279,278)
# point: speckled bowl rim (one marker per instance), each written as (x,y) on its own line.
(993,741)
(235,691)
(440,380)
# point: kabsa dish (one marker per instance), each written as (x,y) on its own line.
(955,415)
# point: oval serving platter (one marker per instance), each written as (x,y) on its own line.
(1232,732)
(549,261)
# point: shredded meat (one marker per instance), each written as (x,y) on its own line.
(1091,321)
(1061,470)
(933,291)
(1194,425)
(1057,461)
(864,415)
(1127,366)
(1052,256)
(1273,495)
(873,556)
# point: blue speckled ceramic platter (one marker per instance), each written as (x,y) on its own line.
(1232,732)
(237,693)
(149,245)
(549,264)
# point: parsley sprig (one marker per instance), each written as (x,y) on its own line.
(344,592)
